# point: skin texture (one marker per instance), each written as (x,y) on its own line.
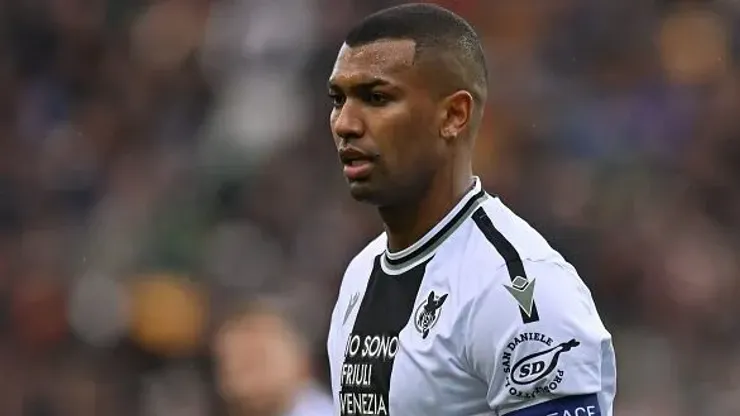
(391,108)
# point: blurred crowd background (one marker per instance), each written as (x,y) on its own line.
(162,161)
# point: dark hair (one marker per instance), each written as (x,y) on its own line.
(436,32)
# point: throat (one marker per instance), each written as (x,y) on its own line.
(406,224)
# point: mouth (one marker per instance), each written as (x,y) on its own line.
(358,169)
(357,164)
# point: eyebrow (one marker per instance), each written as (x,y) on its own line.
(360,86)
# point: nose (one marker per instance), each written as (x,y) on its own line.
(347,122)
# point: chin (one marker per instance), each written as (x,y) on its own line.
(363,191)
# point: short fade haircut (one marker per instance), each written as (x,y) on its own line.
(436,32)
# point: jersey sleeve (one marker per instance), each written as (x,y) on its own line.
(539,343)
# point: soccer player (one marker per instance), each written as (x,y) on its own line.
(460,307)
(263,363)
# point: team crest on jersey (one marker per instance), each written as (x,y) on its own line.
(427,314)
(531,362)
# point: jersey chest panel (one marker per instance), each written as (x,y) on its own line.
(401,354)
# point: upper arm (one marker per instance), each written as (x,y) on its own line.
(540,356)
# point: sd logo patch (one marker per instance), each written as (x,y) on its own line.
(539,368)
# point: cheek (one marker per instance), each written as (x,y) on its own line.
(397,140)
(416,147)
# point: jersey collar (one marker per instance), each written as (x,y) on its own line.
(399,262)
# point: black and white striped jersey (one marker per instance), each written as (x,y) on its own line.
(479,317)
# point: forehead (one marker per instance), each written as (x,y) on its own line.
(386,60)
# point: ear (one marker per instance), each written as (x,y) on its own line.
(456,115)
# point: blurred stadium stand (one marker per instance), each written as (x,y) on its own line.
(162,160)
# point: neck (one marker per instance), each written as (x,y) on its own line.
(408,222)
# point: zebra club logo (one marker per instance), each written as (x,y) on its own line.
(427,314)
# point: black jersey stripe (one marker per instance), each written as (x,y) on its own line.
(508,252)
(385,310)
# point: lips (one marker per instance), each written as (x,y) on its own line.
(358,170)
(357,164)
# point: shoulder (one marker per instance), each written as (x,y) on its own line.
(518,278)
(537,336)
(500,247)
(547,339)
(534,294)
(359,268)
(501,236)
(519,287)
(364,260)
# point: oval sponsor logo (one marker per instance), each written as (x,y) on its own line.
(535,367)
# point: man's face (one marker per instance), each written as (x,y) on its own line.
(259,366)
(384,122)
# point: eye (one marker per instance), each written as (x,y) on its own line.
(378,98)
(337,100)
